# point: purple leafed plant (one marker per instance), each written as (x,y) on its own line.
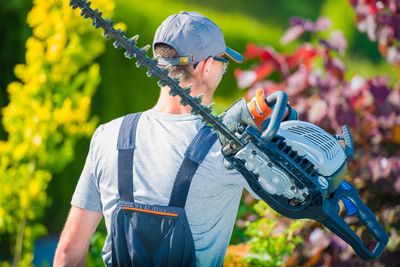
(381,21)
(314,78)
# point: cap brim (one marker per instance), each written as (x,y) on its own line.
(232,54)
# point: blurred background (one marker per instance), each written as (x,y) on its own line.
(59,79)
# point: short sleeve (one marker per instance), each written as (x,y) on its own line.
(87,193)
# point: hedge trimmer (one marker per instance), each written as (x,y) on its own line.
(294,166)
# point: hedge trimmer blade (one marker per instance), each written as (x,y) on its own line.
(132,51)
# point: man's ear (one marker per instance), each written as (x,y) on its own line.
(206,68)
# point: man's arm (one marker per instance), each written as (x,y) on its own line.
(75,237)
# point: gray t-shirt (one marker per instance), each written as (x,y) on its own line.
(161,142)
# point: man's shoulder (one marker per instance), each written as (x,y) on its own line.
(112,125)
(108,132)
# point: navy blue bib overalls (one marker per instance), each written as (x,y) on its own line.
(153,235)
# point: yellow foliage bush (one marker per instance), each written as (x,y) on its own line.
(48,111)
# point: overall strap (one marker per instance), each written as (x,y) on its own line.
(194,156)
(126,145)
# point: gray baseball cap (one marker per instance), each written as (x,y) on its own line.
(195,38)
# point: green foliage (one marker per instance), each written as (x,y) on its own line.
(342,17)
(272,237)
(11,42)
(96,245)
(48,112)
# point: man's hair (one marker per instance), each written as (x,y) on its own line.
(166,51)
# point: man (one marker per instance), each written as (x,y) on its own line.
(195,47)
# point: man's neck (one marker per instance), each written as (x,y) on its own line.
(169,104)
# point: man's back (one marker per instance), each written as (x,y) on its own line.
(161,142)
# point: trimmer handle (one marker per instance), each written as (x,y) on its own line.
(354,207)
(278,102)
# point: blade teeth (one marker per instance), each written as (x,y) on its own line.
(119,32)
(145,48)
(165,72)
(179,77)
(184,102)
(208,109)
(109,22)
(173,92)
(139,64)
(188,89)
(129,54)
(154,61)
(95,24)
(117,44)
(133,40)
(106,35)
(97,12)
(195,111)
(73,4)
(84,14)
(150,73)
(162,83)
(198,98)
(167,67)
